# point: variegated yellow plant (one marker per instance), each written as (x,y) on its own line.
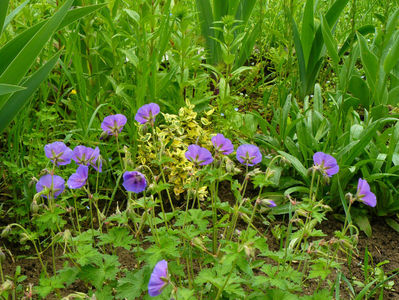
(173,138)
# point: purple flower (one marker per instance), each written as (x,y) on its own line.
(78,179)
(364,194)
(222,144)
(199,155)
(58,153)
(83,155)
(55,184)
(325,163)
(134,181)
(113,124)
(271,203)
(147,113)
(248,155)
(159,278)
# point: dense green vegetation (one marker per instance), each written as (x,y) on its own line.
(110,122)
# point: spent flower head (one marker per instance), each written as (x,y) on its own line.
(78,179)
(113,124)
(325,163)
(58,153)
(222,144)
(54,184)
(159,278)
(147,113)
(364,194)
(198,155)
(248,155)
(134,181)
(83,155)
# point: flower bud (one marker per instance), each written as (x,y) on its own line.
(6,231)
(34,207)
(6,286)
(2,256)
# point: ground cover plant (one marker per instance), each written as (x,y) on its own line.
(199,149)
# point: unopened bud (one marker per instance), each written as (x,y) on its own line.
(249,251)
(197,242)
(24,237)
(6,231)
(6,286)
(2,256)
(66,236)
(34,207)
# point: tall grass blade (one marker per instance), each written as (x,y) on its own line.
(15,103)
(329,41)
(307,32)
(9,88)
(17,69)
(3,13)
(206,21)
(300,57)
(13,47)
(14,13)
(370,62)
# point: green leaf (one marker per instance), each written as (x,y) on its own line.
(392,57)
(370,62)
(132,285)
(9,51)
(9,88)
(360,90)
(3,13)
(297,164)
(331,44)
(206,21)
(364,224)
(26,57)
(15,103)
(300,57)
(13,14)
(307,32)
(117,237)
(392,223)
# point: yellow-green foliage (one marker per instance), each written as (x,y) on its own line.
(173,138)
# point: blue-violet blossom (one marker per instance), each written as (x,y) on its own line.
(364,194)
(113,124)
(248,155)
(78,179)
(325,163)
(55,185)
(198,155)
(83,155)
(159,278)
(58,153)
(134,181)
(222,144)
(147,113)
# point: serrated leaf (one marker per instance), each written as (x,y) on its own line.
(117,237)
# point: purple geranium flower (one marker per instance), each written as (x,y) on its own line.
(364,194)
(78,179)
(199,155)
(83,155)
(147,113)
(134,181)
(222,144)
(113,124)
(325,163)
(159,278)
(248,155)
(55,184)
(58,153)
